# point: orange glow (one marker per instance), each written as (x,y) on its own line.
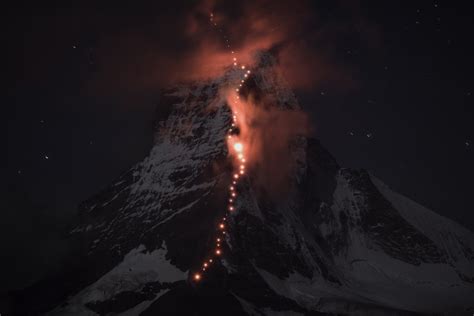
(205,264)
(231,208)
(221,226)
(218,239)
(243,67)
(197,277)
(218,252)
(236,176)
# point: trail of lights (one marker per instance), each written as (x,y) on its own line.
(237,150)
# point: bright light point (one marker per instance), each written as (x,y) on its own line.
(248,71)
(236,176)
(210,260)
(232,188)
(240,156)
(238,147)
(235,59)
(242,167)
(237,90)
(197,277)
(243,159)
(218,239)
(241,172)
(231,208)
(229,137)
(230,200)
(205,264)
(221,226)
(245,75)
(233,194)
(243,67)
(235,64)
(218,252)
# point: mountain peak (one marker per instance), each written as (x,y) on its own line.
(306,236)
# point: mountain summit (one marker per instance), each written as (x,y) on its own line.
(335,240)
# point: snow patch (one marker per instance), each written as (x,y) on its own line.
(138,268)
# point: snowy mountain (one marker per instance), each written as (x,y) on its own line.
(338,240)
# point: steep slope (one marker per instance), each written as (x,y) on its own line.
(337,241)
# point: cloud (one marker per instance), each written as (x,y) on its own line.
(191,46)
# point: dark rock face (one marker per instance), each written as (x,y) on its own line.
(339,241)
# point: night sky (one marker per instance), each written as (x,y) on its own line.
(85,81)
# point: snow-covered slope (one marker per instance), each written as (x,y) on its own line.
(338,240)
